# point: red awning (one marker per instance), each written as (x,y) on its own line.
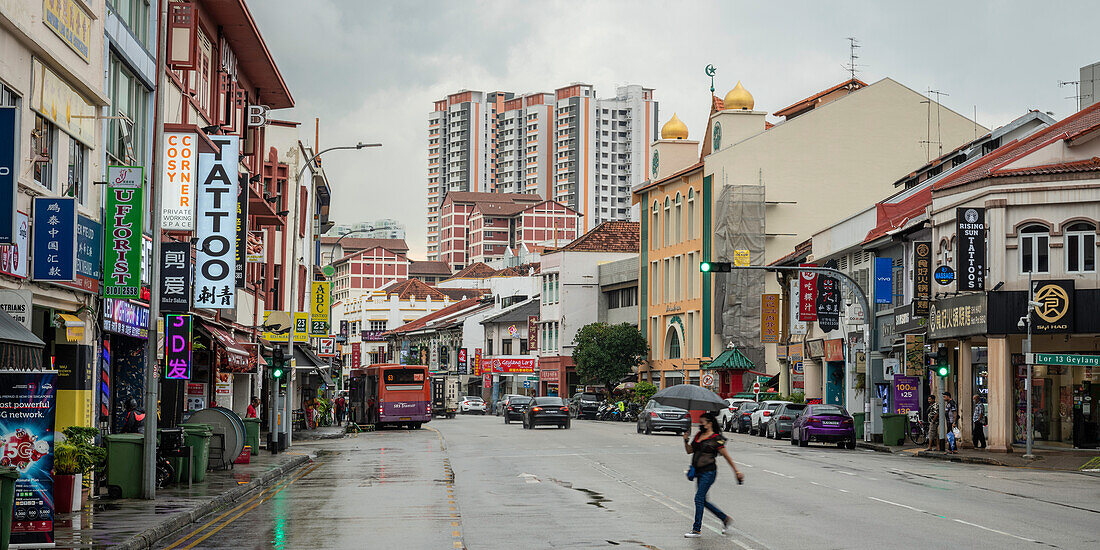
(236,357)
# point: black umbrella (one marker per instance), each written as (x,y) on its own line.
(690,397)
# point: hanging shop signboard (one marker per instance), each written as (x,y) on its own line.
(254,251)
(461,360)
(922,277)
(807,296)
(241,243)
(319,306)
(769,318)
(834,349)
(177,203)
(89,248)
(215,265)
(828,300)
(178,338)
(1055,315)
(27,407)
(326,347)
(355,355)
(970,230)
(532,332)
(175,276)
(9,172)
(963,315)
(122,245)
(126,318)
(914,354)
(906,396)
(797,326)
(17,304)
(54,248)
(15,257)
(884,280)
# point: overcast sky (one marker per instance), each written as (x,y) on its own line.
(371,69)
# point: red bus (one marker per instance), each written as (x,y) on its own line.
(390,395)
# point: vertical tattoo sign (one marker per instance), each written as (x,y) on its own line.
(242,230)
(175,276)
(177,346)
(216,259)
(122,237)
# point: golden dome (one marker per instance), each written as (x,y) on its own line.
(674,129)
(738,98)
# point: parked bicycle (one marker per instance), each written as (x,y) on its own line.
(918,429)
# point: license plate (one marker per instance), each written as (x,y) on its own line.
(831,423)
(405,418)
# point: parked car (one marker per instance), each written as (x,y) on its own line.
(472,403)
(824,423)
(744,416)
(761,415)
(546,410)
(584,404)
(728,414)
(656,417)
(514,406)
(498,407)
(779,423)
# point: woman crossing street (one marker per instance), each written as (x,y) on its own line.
(704,449)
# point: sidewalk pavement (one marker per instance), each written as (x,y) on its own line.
(137,523)
(321,432)
(1069,460)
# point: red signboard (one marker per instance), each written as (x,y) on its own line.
(807,294)
(512,364)
(834,350)
(355,355)
(487,380)
(477,361)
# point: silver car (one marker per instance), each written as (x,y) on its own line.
(761,416)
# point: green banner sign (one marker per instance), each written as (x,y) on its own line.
(1066,359)
(122,226)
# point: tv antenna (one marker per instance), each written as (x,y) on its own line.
(1076,90)
(852,67)
(928,129)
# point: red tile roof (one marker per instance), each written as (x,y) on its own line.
(521,270)
(800,252)
(445,312)
(612,236)
(463,293)
(413,288)
(417,267)
(984,167)
(477,270)
(852,84)
(892,216)
(1087,165)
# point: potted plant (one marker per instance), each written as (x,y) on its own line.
(74,457)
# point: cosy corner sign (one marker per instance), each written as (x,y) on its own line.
(177,203)
(215,266)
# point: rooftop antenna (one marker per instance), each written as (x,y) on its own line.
(852,67)
(1076,90)
(928,129)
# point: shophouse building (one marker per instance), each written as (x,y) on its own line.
(509,355)
(618,292)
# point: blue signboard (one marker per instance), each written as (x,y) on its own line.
(8,174)
(89,247)
(27,405)
(884,280)
(53,249)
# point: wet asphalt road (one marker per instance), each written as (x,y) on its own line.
(476,483)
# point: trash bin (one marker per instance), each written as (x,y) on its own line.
(168,445)
(8,476)
(124,466)
(893,428)
(197,436)
(858,419)
(252,433)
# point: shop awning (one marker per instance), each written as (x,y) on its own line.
(304,358)
(74,326)
(236,357)
(20,349)
(730,359)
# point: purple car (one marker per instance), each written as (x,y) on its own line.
(824,423)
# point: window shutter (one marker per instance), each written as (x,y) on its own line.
(182,34)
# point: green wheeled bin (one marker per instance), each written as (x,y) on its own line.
(8,477)
(252,434)
(893,428)
(124,455)
(197,436)
(858,419)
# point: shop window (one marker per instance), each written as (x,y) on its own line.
(1081,248)
(691,214)
(523,347)
(129,100)
(672,344)
(1035,249)
(667,226)
(506,346)
(378,326)
(679,220)
(654,241)
(43,150)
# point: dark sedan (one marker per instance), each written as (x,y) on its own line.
(780,421)
(656,418)
(744,416)
(584,405)
(546,410)
(824,423)
(514,406)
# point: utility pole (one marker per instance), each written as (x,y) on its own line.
(152,365)
(1029,358)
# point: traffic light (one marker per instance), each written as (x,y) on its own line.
(943,368)
(278,369)
(715,267)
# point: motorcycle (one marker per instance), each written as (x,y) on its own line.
(632,411)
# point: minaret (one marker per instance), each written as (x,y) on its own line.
(673,152)
(736,121)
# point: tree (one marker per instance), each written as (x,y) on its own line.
(604,353)
(643,391)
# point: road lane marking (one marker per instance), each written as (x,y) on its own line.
(898,504)
(779,474)
(994,531)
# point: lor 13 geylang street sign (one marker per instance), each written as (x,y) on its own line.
(216,260)
(970,229)
(177,346)
(122,236)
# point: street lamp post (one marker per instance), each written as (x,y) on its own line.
(294,279)
(1029,358)
(332,251)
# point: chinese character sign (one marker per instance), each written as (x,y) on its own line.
(122,242)
(970,234)
(177,346)
(242,230)
(807,298)
(797,327)
(355,355)
(319,308)
(828,300)
(532,332)
(177,203)
(462,360)
(769,318)
(216,260)
(922,277)
(54,247)
(175,276)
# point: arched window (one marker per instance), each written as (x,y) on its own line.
(1081,247)
(691,214)
(679,219)
(668,228)
(672,344)
(1035,249)
(654,242)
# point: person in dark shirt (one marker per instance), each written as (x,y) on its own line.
(134,421)
(704,449)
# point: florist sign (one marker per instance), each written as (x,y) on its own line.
(122,244)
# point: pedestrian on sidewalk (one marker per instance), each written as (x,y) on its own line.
(951,416)
(341,407)
(979,418)
(134,421)
(933,423)
(253,408)
(704,449)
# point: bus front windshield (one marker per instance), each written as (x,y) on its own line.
(404,377)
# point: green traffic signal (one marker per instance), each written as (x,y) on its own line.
(277,372)
(943,370)
(704,266)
